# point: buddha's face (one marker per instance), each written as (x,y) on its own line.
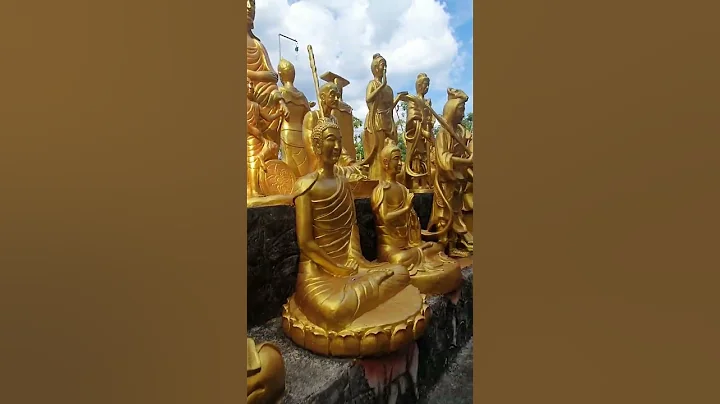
(379,67)
(422,86)
(460,112)
(393,163)
(329,146)
(250,13)
(330,96)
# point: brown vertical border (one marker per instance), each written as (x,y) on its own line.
(122,220)
(597,202)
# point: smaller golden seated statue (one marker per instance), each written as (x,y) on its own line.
(399,232)
(343,304)
(265,373)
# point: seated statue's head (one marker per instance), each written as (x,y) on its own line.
(378,65)
(454,109)
(422,84)
(286,71)
(326,141)
(329,95)
(391,157)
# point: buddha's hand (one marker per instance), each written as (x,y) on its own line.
(350,268)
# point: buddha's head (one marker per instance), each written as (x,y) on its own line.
(454,109)
(422,84)
(251,14)
(329,95)
(391,158)
(378,65)
(286,71)
(326,141)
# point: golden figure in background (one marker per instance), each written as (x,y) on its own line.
(398,231)
(343,113)
(419,137)
(293,148)
(379,123)
(343,305)
(328,101)
(265,373)
(260,148)
(264,79)
(452,173)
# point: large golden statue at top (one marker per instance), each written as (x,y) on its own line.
(419,137)
(343,305)
(293,148)
(453,171)
(264,78)
(265,373)
(399,234)
(379,122)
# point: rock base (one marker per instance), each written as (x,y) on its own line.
(406,376)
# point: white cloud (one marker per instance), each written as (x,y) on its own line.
(413,35)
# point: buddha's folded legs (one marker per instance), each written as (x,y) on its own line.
(335,302)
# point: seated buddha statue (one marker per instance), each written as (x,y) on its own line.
(265,373)
(343,304)
(399,233)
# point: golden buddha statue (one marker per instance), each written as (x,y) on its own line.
(399,233)
(264,79)
(419,137)
(452,173)
(343,304)
(343,114)
(292,146)
(265,373)
(379,122)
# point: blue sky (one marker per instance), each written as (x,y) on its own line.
(429,36)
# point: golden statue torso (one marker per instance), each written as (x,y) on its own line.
(259,61)
(291,134)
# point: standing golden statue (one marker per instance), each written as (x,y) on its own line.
(399,233)
(291,136)
(419,137)
(343,304)
(265,373)
(343,114)
(264,79)
(379,122)
(452,173)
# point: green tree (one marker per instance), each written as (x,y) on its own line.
(357,138)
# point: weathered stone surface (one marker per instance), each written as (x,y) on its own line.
(456,385)
(404,377)
(273,253)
